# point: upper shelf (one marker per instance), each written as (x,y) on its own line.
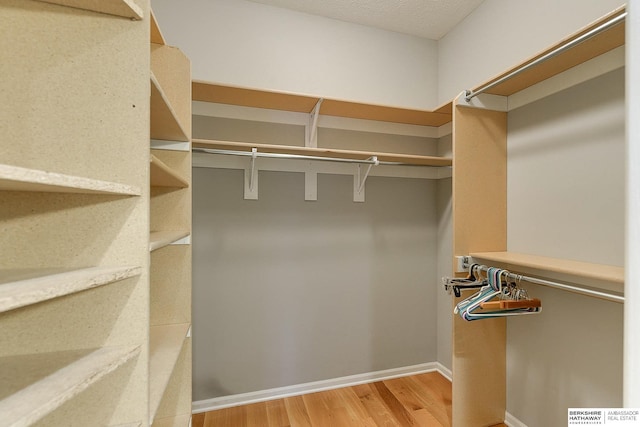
(596,45)
(209,92)
(124,8)
(411,159)
(15,178)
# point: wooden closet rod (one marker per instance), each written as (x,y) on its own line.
(370,161)
(469,94)
(584,291)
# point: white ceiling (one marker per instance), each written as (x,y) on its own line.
(431,19)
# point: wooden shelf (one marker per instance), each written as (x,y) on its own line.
(164,121)
(178,421)
(124,8)
(160,239)
(165,345)
(324,152)
(19,288)
(163,176)
(34,385)
(209,92)
(156,34)
(523,263)
(597,45)
(15,178)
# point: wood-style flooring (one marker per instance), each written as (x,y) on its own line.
(417,400)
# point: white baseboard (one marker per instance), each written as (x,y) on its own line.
(312,387)
(512,421)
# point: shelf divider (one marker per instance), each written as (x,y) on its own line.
(34,385)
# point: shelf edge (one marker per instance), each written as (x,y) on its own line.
(160,239)
(20,293)
(46,395)
(123,8)
(16,178)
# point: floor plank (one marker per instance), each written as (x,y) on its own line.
(277,413)
(417,400)
(296,412)
(380,413)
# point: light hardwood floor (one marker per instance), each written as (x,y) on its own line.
(417,400)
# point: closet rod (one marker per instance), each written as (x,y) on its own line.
(369,161)
(469,94)
(584,291)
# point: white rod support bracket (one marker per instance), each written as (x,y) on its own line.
(360,179)
(251,178)
(311,185)
(311,140)
(312,127)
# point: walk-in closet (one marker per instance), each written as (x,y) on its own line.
(264,212)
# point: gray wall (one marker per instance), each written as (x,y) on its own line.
(566,200)
(288,291)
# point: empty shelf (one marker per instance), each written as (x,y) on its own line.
(156,33)
(160,239)
(15,178)
(124,8)
(164,120)
(177,421)
(163,176)
(517,262)
(19,288)
(209,92)
(165,345)
(597,45)
(411,159)
(34,385)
